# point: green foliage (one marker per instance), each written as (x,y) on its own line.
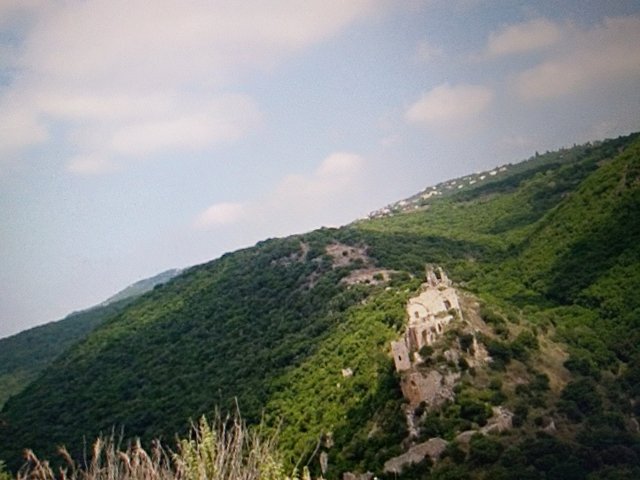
(484,450)
(24,355)
(523,344)
(220,331)
(426,351)
(475,411)
(580,398)
(4,474)
(227,450)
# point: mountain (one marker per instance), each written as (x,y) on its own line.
(142,286)
(24,355)
(530,370)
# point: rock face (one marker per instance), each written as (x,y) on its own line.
(433,389)
(432,448)
(501,420)
(357,476)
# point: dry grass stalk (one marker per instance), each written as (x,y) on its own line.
(223,450)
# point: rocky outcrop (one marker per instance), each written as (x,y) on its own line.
(432,448)
(432,388)
(465,436)
(501,421)
(343,255)
(357,476)
(368,276)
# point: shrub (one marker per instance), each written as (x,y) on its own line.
(475,411)
(466,341)
(223,450)
(499,351)
(524,342)
(454,452)
(484,450)
(426,351)
(581,394)
(4,475)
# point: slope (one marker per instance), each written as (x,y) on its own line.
(24,355)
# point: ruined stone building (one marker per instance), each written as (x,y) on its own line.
(428,314)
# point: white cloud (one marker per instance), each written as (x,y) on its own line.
(298,201)
(91,165)
(112,74)
(102,106)
(339,165)
(524,37)
(168,41)
(20,127)
(603,55)
(224,120)
(220,214)
(333,177)
(446,104)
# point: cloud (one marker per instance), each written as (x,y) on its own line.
(339,165)
(95,105)
(20,127)
(446,104)
(298,201)
(131,78)
(603,55)
(224,120)
(168,41)
(524,37)
(220,214)
(91,165)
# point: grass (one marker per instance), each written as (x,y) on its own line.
(225,449)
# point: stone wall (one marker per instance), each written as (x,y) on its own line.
(400,354)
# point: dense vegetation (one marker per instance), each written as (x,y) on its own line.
(552,251)
(24,355)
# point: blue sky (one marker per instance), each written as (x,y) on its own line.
(137,136)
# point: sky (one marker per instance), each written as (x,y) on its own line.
(138,136)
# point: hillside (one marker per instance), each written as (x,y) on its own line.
(142,286)
(544,258)
(24,355)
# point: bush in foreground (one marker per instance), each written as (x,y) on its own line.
(223,450)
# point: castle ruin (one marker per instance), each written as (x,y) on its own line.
(428,314)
